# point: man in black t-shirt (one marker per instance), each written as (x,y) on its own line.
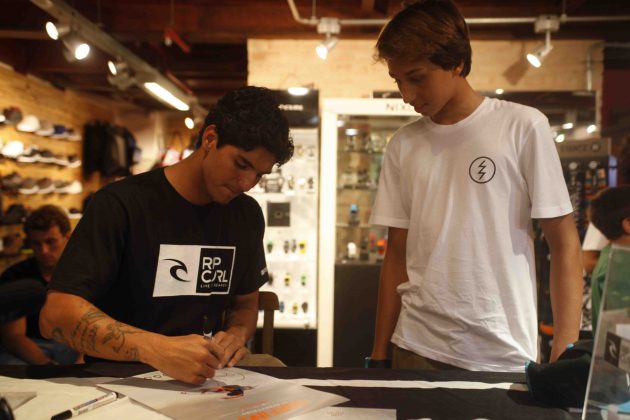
(162,256)
(47,230)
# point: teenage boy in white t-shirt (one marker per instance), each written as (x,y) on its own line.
(458,191)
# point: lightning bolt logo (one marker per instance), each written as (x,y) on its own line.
(482,170)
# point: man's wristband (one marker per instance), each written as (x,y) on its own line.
(382,364)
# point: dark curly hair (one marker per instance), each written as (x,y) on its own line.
(431,29)
(46,217)
(609,208)
(249,117)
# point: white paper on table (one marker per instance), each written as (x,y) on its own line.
(54,396)
(17,399)
(262,395)
(349,413)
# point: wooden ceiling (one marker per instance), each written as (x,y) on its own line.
(217,31)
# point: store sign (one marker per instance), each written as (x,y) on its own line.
(301,111)
(584,148)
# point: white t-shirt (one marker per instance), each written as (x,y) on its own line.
(594,240)
(467,193)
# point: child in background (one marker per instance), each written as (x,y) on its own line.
(610,213)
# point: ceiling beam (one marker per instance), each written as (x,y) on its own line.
(23,34)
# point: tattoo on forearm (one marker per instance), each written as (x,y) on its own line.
(117,332)
(83,336)
(133,354)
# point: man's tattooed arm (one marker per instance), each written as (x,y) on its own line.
(93,332)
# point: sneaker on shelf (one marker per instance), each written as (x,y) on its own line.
(29,124)
(30,155)
(59,132)
(45,186)
(12,149)
(74,213)
(60,160)
(28,187)
(16,213)
(75,187)
(46,129)
(46,156)
(72,135)
(61,186)
(12,181)
(12,115)
(73,161)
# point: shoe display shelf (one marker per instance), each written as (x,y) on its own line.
(36,170)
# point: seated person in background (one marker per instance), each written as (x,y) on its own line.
(159,257)
(610,213)
(47,230)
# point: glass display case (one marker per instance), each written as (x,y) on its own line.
(355,133)
(288,197)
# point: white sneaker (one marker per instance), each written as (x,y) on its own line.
(75,187)
(13,149)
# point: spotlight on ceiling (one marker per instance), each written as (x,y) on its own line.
(120,75)
(190,124)
(76,49)
(546,24)
(326,46)
(56,30)
(117,67)
(536,58)
(330,27)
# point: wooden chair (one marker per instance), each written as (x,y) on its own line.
(268,302)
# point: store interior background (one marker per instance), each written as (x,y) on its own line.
(258,42)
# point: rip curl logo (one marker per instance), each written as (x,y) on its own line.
(215,270)
(482,170)
(176,268)
(194,270)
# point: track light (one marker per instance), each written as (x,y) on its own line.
(546,24)
(56,30)
(76,49)
(120,74)
(536,58)
(326,46)
(164,95)
(117,67)
(330,27)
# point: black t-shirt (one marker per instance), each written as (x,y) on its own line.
(147,257)
(27,269)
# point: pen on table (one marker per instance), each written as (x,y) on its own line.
(86,406)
